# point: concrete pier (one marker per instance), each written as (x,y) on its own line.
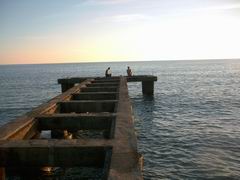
(147,82)
(99,105)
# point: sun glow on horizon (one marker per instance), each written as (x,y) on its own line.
(81,33)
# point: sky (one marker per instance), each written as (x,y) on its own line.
(62,31)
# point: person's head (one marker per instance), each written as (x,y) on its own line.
(108,67)
(128,67)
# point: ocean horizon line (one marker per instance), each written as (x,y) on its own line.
(131,61)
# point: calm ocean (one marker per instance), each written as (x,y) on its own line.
(190,129)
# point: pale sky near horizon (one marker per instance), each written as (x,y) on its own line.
(58,31)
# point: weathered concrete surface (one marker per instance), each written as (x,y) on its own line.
(147,82)
(97,121)
(97,84)
(56,153)
(125,163)
(2,173)
(19,128)
(69,83)
(84,106)
(137,78)
(66,86)
(118,154)
(95,96)
(148,87)
(100,89)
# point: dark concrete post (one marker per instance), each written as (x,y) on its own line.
(61,134)
(147,87)
(66,86)
(2,173)
(57,134)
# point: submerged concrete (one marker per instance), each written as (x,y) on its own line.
(96,104)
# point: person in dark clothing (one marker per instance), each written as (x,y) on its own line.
(108,72)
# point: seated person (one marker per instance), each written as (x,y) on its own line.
(129,71)
(108,72)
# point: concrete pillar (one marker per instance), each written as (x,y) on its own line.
(66,86)
(48,171)
(147,87)
(2,173)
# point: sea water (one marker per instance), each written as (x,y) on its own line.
(189,129)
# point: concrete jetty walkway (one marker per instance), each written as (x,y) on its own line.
(87,104)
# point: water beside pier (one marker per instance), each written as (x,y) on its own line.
(188,130)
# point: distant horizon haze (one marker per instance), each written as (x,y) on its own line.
(113,61)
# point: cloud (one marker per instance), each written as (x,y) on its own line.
(130,18)
(36,37)
(125,18)
(104,2)
(220,8)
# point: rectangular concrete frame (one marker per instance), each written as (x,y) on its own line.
(56,153)
(95,96)
(25,127)
(74,122)
(147,82)
(99,84)
(83,121)
(126,163)
(100,89)
(87,106)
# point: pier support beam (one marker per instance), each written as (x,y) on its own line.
(2,173)
(147,87)
(54,153)
(66,86)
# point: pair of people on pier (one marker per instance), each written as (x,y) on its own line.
(108,72)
